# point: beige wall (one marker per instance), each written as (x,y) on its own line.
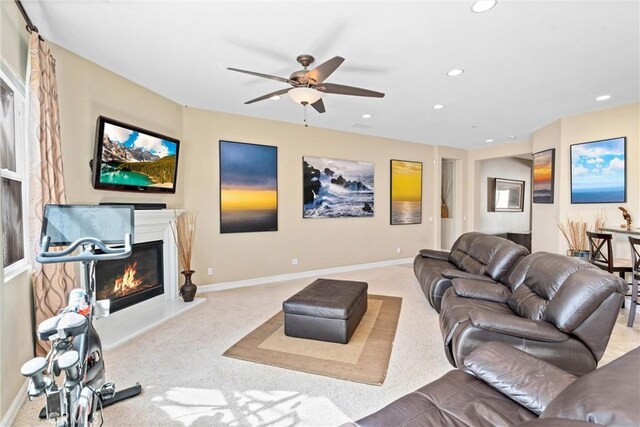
(544,217)
(87,91)
(603,124)
(16,345)
(317,243)
(502,222)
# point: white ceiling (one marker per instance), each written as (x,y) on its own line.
(527,63)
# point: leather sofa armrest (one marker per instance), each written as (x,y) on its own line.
(451,273)
(531,382)
(511,324)
(496,292)
(430,253)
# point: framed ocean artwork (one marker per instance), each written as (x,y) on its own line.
(336,188)
(543,176)
(248,187)
(406,192)
(599,171)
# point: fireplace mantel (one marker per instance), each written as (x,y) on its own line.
(126,324)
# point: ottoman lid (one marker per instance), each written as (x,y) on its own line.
(327,298)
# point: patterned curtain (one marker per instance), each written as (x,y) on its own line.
(51,282)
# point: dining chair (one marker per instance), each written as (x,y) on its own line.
(635,276)
(601,254)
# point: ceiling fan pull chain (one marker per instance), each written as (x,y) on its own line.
(305,115)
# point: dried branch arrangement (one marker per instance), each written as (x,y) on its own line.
(184,232)
(575,230)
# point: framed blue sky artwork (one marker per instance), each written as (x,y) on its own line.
(599,171)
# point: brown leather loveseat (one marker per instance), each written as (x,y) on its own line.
(502,386)
(474,255)
(556,308)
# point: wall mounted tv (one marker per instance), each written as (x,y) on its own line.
(129,158)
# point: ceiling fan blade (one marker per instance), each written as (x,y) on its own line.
(348,90)
(324,70)
(269,95)
(266,76)
(319,106)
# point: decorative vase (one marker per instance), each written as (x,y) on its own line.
(444,210)
(579,254)
(188,290)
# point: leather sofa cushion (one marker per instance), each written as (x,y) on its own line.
(459,274)
(327,298)
(510,324)
(531,382)
(433,254)
(608,396)
(495,292)
(456,399)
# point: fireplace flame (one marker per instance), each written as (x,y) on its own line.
(127,281)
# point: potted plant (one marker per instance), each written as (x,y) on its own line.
(574,231)
(184,232)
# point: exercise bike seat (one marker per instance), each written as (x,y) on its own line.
(63,325)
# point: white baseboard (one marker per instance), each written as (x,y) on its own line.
(12,413)
(301,275)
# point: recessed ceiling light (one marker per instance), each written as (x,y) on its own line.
(512,136)
(483,5)
(603,98)
(275,97)
(489,140)
(455,72)
(366,116)
(438,107)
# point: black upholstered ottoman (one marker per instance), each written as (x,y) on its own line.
(326,310)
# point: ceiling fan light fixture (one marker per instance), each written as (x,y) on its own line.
(483,5)
(304,95)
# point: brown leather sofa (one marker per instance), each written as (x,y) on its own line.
(556,308)
(474,256)
(502,386)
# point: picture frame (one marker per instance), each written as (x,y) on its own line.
(544,176)
(506,195)
(248,187)
(405,198)
(599,171)
(337,188)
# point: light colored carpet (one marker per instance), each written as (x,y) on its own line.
(363,359)
(187,382)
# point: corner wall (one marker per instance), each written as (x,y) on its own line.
(16,345)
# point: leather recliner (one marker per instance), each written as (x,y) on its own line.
(502,386)
(559,309)
(473,255)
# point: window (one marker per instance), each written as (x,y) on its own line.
(12,170)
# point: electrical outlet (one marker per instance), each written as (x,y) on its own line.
(294,261)
(399,250)
(210,271)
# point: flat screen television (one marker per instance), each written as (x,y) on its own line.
(129,158)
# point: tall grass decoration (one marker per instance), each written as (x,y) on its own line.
(184,232)
(575,230)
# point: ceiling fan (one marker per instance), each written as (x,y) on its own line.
(308,86)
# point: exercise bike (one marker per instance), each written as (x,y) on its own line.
(76,349)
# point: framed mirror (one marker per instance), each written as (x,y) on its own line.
(506,195)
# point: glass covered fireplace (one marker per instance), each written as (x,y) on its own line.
(132,280)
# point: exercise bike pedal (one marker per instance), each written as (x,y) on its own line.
(107,391)
(119,395)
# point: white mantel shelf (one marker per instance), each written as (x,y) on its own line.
(126,324)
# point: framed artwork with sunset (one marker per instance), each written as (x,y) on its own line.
(406,192)
(248,187)
(598,171)
(543,176)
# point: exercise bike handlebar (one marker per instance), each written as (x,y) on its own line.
(65,255)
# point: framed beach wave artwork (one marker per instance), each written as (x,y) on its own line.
(543,176)
(598,171)
(335,188)
(406,192)
(248,187)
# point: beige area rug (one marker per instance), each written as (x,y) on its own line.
(364,359)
